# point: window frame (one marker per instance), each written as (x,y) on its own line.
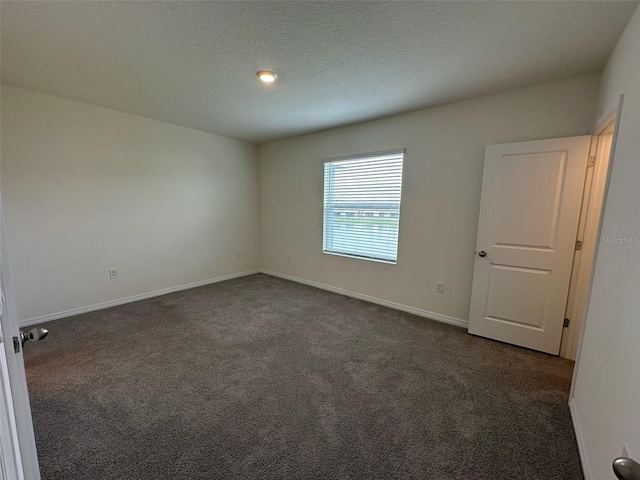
(357,157)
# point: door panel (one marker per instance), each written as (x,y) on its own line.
(516,295)
(521,222)
(531,199)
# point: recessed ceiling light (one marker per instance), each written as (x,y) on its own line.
(267,76)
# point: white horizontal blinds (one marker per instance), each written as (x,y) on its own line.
(362,205)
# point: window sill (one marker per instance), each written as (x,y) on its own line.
(358,257)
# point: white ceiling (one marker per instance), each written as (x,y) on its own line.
(194,63)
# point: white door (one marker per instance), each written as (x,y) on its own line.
(18,446)
(531,199)
(10,458)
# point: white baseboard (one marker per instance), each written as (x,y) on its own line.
(367,298)
(580,440)
(134,298)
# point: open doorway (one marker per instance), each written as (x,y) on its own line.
(588,233)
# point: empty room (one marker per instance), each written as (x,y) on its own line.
(320,240)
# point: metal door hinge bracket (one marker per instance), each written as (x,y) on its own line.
(578,244)
(16,344)
(592,162)
(566,323)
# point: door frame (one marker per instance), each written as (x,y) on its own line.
(10,458)
(612,117)
(592,205)
(19,408)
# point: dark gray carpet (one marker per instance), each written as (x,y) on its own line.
(261,378)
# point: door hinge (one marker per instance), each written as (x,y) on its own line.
(16,344)
(578,244)
(566,323)
(592,162)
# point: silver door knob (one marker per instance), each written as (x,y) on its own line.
(34,334)
(626,469)
(482,253)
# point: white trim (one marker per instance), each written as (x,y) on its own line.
(15,368)
(579,440)
(458,322)
(134,298)
(360,257)
(606,119)
(10,457)
(585,313)
(367,298)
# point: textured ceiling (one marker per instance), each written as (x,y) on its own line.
(194,63)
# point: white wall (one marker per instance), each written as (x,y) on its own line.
(607,389)
(86,189)
(440,198)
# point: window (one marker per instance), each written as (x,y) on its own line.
(362,205)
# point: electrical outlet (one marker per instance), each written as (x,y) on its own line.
(113,273)
(440,287)
(238,255)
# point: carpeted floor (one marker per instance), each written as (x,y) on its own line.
(261,378)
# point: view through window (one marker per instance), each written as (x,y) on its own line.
(362,205)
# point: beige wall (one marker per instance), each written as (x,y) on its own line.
(86,189)
(607,389)
(440,198)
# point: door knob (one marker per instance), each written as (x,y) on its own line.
(626,469)
(482,253)
(34,334)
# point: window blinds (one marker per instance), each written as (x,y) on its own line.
(362,205)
